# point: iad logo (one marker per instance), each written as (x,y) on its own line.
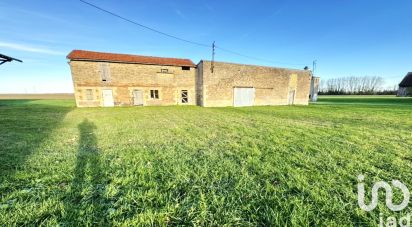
(391,220)
(389,195)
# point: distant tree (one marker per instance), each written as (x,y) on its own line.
(366,85)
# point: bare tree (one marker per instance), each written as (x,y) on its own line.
(352,85)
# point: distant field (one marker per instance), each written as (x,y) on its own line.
(364,100)
(37,96)
(187,165)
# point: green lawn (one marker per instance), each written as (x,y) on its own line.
(287,165)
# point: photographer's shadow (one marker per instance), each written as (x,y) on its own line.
(85,204)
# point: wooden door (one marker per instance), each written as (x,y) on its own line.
(243,96)
(138,97)
(291,97)
(108,98)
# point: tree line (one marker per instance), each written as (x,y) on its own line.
(366,85)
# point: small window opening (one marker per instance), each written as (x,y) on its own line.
(185,96)
(105,72)
(185,68)
(154,94)
(164,70)
(89,94)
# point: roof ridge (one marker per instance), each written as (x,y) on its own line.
(264,66)
(150,56)
(128,58)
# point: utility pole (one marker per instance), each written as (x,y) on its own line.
(213,57)
(314,84)
(314,67)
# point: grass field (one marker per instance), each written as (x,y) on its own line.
(287,165)
(37,96)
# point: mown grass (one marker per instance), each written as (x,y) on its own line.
(365,100)
(294,166)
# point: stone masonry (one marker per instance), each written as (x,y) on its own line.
(273,86)
(201,86)
(125,78)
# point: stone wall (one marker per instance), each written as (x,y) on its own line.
(404,91)
(273,86)
(199,85)
(124,78)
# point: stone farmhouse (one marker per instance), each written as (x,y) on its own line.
(107,79)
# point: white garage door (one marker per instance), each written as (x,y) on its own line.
(244,96)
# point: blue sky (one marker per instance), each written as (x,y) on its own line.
(347,38)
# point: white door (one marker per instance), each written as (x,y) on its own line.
(108,97)
(244,96)
(138,97)
(291,100)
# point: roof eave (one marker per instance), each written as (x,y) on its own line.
(128,62)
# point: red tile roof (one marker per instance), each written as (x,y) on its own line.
(127,58)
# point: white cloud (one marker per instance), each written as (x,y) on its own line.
(21,47)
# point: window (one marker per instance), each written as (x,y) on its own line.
(185,96)
(185,68)
(89,94)
(164,70)
(105,72)
(154,94)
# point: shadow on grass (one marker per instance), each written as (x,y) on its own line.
(85,204)
(24,126)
